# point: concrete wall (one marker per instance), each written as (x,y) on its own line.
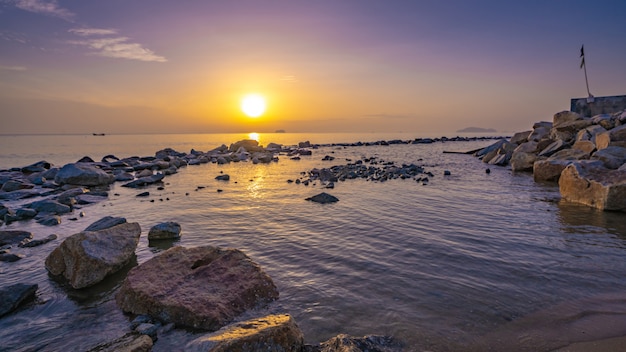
(600,105)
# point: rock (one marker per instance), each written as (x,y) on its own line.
(520,137)
(148,329)
(553,148)
(11,297)
(69,197)
(585,146)
(39,166)
(549,170)
(85,159)
(224,177)
(615,137)
(323,198)
(144,173)
(604,120)
(274,147)
(145,181)
(589,133)
(131,342)
(613,157)
(109,158)
(12,185)
(11,237)
(540,132)
(491,148)
(345,343)
(49,206)
(305,144)
(143,194)
(569,154)
(10,257)
(105,223)
(567,131)
(165,230)
(51,220)
(201,287)
(590,183)
(90,199)
(35,243)
(564,117)
(272,333)
(25,213)
(521,161)
(250,145)
(86,258)
(124,176)
(83,175)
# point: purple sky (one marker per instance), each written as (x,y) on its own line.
(324,66)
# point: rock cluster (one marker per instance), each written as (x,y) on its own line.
(586,156)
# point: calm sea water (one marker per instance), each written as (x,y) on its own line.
(455,265)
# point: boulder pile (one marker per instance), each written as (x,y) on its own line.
(585,155)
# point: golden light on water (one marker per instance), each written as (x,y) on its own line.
(255,136)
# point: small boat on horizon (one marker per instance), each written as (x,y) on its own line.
(98,134)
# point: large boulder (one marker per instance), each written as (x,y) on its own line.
(589,133)
(272,333)
(612,138)
(249,145)
(550,169)
(520,137)
(86,258)
(83,174)
(201,287)
(11,297)
(564,117)
(568,130)
(164,231)
(521,161)
(613,157)
(590,183)
(541,130)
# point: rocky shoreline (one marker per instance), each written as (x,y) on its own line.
(586,156)
(170,290)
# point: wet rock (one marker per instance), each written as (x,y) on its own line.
(612,138)
(83,175)
(145,181)
(13,185)
(201,287)
(35,243)
(148,329)
(224,177)
(165,230)
(69,197)
(131,342)
(144,173)
(39,166)
(272,333)
(51,220)
(323,198)
(11,237)
(590,183)
(305,144)
(90,199)
(345,343)
(10,257)
(249,145)
(86,258)
(25,213)
(521,161)
(105,223)
(86,159)
(49,206)
(11,297)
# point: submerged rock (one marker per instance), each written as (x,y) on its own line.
(86,258)
(323,198)
(131,342)
(201,287)
(272,333)
(11,297)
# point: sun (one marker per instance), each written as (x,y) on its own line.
(253,105)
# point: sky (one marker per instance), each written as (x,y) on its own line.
(418,66)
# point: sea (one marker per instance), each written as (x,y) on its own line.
(470,261)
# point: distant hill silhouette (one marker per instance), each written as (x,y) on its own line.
(477,130)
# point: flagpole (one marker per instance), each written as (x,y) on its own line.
(583,65)
(586,80)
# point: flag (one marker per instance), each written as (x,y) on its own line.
(582,55)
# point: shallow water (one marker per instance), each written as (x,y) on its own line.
(437,266)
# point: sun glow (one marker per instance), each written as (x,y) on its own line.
(253,105)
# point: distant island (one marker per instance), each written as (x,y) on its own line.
(280,131)
(477,130)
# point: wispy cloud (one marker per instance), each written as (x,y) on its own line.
(50,8)
(12,68)
(108,44)
(289,79)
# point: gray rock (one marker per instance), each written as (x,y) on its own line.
(19,194)
(224,177)
(10,257)
(13,185)
(373,343)
(68,197)
(145,181)
(323,198)
(49,206)
(105,223)
(86,258)
(90,199)
(165,230)
(564,117)
(11,237)
(613,157)
(25,213)
(39,166)
(521,161)
(553,148)
(83,175)
(200,287)
(148,329)
(51,220)
(520,137)
(11,297)
(131,342)
(540,132)
(35,243)
(272,333)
